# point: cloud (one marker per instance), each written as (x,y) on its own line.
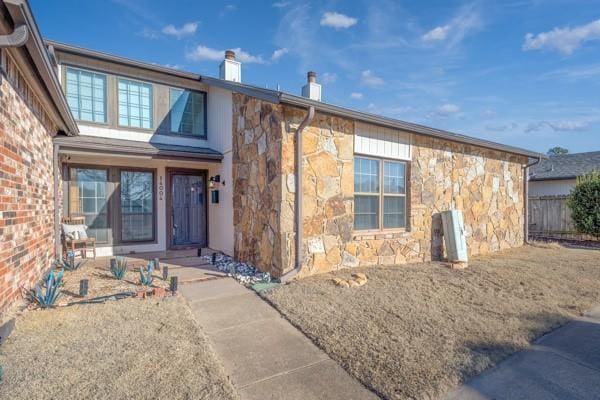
(563,40)
(465,21)
(277,54)
(202,53)
(502,127)
(188,29)
(329,78)
(367,78)
(229,8)
(281,4)
(356,96)
(488,113)
(149,34)
(447,109)
(337,20)
(437,34)
(557,126)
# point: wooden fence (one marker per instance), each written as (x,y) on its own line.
(550,218)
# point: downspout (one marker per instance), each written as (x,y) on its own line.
(16,39)
(526,197)
(298,198)
(56,169)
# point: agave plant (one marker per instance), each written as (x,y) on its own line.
(146,274)
(69,263)
(47,297)
(118,267)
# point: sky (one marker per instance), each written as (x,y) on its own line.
(519,72)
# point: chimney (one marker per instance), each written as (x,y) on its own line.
(230,69)
(312,89)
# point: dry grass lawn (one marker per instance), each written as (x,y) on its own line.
(129,349)
(413,332)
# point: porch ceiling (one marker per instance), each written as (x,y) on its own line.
(92,144)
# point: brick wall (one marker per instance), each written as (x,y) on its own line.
(26,186)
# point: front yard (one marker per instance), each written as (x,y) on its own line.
(414,332)
(128,349)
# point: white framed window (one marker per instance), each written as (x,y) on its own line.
(379,194)
(86,95)
(188,112)
(135,104)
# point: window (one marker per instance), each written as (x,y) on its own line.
(87,198)
(135,104)
(86,95)
(137,206)
(379,194)
(188,112)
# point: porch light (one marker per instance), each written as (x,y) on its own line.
(173,285)
(83,287)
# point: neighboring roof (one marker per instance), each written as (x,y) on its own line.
(299,101)
(566,166)
(20,13)
(93,144)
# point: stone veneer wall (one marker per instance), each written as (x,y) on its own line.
(485,184)
(26,186)
(256,182)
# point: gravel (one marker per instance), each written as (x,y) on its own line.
(245,273)
(416,331)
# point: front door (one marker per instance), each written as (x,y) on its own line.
(188,210)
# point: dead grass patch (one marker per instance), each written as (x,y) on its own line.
(129,349)
(415,331)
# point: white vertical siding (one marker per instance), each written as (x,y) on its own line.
(220,114)
(378,141)
(551,187)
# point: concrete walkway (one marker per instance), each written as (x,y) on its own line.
(265,356)
(564,364)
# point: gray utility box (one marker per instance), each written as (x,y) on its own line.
(454,236)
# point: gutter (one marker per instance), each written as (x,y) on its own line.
(16,39)
(298,199)
(526,196)
(55,170)
(21,15)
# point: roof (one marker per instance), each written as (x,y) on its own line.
(277,97)
(21,15)
(93,144)
(566,166)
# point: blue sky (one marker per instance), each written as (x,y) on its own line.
(521,72)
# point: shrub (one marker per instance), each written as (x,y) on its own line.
(146,274)
(69,263)
(47,297)
(584,202)
(118,267)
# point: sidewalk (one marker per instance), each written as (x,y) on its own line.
(564,364)
(265,356)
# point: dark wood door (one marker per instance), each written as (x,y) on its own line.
(188,210)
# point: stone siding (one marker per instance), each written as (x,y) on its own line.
(486,185)
(26,187)
(256,182)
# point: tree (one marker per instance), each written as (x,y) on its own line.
(557,150)
(584,202)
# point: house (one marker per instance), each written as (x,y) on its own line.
(556,175)
(164,159)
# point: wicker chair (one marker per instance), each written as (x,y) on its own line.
(74,245)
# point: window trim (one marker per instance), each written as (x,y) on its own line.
(178,134)
(106,91)
(381,195)
(116,105)
(113,193)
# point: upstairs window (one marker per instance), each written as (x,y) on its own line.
(188,112)
(379,194)
(86,95)
(135,104)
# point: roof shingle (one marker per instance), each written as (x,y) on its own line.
(566,166)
